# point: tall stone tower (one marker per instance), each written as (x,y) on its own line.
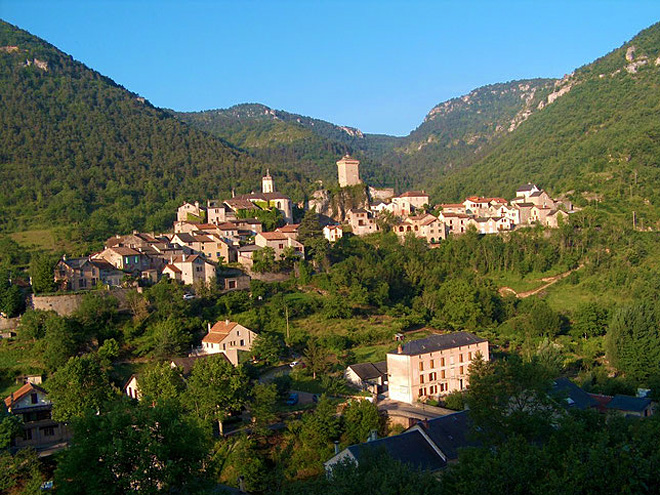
(348,169)
(267,185)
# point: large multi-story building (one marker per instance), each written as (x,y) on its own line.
(348,171)
(434,366)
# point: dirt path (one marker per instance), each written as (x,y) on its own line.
(548,282)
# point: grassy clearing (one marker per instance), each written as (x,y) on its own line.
(16,359)
(530,281)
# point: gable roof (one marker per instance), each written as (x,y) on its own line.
(450,433)
(22,392)
(369,371)
(273,236)
(172,268)
(223,327)
(527,187)
(184,237)
(628,403)
(408,448)
(124,251)
(292,227)
(413,194)
(576,398)
(185,364)
(439,342)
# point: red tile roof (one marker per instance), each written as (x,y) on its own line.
(413,194)
(22,392)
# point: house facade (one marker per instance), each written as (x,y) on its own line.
(434,366)
(333,232)
(361,221)
(190,269)
(279,242)
(229,338)
(40,431)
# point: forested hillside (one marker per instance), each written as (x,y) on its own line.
(601,139)
(78,149)
(298,142)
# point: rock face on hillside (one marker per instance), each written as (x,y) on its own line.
(335,205)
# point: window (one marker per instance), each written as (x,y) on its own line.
(48,431)
(442,362)
(469,356)
(242,342)
(432,363)
(421,378)
(461,370)
(443,374)
(224,347)
(460,358)
(34,398)
(433,377)
(232,284)
(421,366)
(28,434)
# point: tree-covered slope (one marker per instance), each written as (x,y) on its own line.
(597,135)
(76,148)
(457,132)
(299,142)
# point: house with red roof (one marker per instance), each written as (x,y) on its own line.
(31,404)
(229,338)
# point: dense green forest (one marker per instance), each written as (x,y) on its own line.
(81,151)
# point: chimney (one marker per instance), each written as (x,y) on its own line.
(399,349)
(373,435)
(209,326)
(336,447)
(227,322)
(183,256)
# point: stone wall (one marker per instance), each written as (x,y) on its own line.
(65,304)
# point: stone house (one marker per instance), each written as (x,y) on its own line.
(491,225)
(40,431)
(476,205)
(434,366)
(245,254)
(409,202)
(453,208)
(361,221)
(455,223)
(290,230)
(333,232)
(229,338)
(216,212)
(191,212)
(230,279)
(554,217)
(126,259)
(426,226)
(84,273)
(190,269)
(278,242)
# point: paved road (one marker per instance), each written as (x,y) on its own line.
(285,369)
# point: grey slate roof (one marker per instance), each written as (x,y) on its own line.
(628,403)
(408,448)
(450,433)
(369,371)
(434,343)
(575,397)
(526,187)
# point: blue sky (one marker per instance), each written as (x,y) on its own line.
(376,65)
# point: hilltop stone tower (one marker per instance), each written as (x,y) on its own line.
(348,169)
(267,185)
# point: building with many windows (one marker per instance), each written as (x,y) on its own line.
(434,366)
